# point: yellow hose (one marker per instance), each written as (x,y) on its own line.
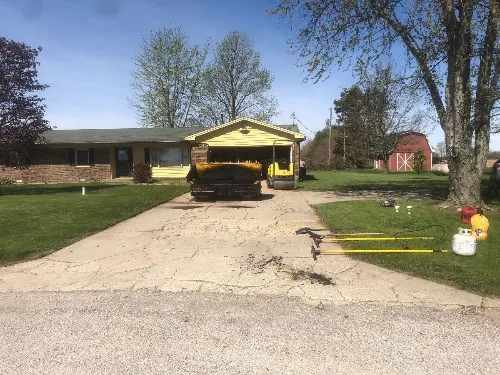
(375,239)
(355,234)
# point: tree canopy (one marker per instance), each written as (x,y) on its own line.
(21,110)
(448,48)
(236,84)
(175,85)
(371,113)
(167,79)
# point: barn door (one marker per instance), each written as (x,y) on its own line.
(404,161)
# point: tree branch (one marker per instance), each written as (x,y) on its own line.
(419,56)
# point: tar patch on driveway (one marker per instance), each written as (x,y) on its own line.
(276,263)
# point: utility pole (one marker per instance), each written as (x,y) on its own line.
(330,139)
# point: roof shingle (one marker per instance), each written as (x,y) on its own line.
(127,135)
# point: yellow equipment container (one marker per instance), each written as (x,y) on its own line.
(480,226)
(280,176)
(211,180)
(204,168)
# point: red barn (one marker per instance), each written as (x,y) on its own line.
(401,157)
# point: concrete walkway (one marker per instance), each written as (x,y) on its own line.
(247,248)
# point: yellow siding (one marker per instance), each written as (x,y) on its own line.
(170,172)
(138,154)
(233,137)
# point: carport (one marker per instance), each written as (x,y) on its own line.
(245,140)
(263,155)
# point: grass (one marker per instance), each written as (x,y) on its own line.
(39,219)
(479,273)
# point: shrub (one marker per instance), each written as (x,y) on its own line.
(339,163)
(6,181)
(142,173)
(419,161)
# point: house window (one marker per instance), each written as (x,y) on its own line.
(170,157)
(82,156)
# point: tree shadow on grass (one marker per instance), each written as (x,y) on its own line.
(413,187)
(50,189)
(309,177)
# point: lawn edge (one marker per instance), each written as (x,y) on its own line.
(79,238)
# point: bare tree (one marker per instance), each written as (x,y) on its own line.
(452,52)
(167,79)
(441,149)
(390,110)
(375,112)
(236,84)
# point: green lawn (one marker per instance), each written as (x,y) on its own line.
(38,219)
(480,273)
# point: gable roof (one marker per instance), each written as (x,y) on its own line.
(290,129)
(393,139)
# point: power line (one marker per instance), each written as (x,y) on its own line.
(296,118)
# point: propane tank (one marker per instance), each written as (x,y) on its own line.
(440,169)
(480,226)
(464,243)
(467,213)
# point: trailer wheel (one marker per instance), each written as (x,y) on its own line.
(283,185)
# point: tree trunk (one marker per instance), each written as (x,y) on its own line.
(464,180)
(466,164)
(386,163)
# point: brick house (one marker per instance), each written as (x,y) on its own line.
(401,157)
(103,154)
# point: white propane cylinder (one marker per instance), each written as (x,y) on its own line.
(440,169)
(464,243)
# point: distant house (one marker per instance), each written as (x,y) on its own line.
(103,154)
(401,156)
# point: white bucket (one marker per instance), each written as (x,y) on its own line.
(464,243)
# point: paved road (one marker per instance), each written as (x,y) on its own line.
(141,332)
(228,288)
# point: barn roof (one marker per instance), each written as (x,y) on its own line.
(393,139)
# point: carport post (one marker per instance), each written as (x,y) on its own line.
(274,160)
(296,163)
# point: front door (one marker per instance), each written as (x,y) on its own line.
(123,162)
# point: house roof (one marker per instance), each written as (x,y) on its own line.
(127,135)
(138,135)
(290,129)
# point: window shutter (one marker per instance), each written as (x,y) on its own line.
(147,155)
(91,156)
(71,156)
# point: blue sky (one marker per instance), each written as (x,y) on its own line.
(88,47)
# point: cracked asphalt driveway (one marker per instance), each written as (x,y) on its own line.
(245,247)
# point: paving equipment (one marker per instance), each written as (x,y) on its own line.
(280,174)
(317,241)
(315,251)
(239,180)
